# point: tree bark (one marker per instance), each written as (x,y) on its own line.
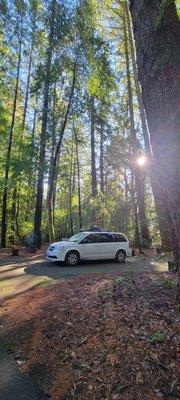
(78,181)
(93,154)
(53,171)
(138,178)
(102,155)
(71,189)
(13,216)
(161,212)
(39,194)
(19,179)
(8,157)
(157,42)
(51,227)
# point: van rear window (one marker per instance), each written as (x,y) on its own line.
(119,237)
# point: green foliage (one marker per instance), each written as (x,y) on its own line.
(88,34)
(165,283)
(163,7)
(157,337)
(8,345)
(120,280)
(171,266)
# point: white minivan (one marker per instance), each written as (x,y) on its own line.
(90,246)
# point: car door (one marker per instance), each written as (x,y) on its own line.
(89,247)
(121,242)
(106,241)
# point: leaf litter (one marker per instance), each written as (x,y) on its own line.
(98,337)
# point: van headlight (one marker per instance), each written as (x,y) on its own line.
(51,248)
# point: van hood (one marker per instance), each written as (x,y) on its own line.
(62,243)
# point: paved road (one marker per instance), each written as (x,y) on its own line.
(13,384)
(18,274)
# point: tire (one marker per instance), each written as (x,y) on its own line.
(72,258)
(120,256)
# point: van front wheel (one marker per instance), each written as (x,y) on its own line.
(120,256)
(72,258)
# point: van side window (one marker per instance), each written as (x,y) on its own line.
(119,237)
(105,238)
(92,238)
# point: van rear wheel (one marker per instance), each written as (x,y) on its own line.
(120,256)
(72,258)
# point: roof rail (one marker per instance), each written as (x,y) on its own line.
(89,230)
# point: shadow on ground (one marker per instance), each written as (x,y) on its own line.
(59,271)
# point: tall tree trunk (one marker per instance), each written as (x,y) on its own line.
(8,157)
(138,178)
(13,215)
(19,179)
(39,194)
(102,155)
(93,154)
(51,227)
(55,162)
(27,86)
(78,181)
(31,177)
(136,224)
(163,228)
(71,190)
(157,42)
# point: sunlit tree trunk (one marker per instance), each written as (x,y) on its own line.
(78,181)
(163,228)
(71,189)
(8,157)
(19,180)
(93,154)
(102,155)
(55,161)
(13,215)
(138,178)
(41,167)
(51,227)
(32,176)
(157,43)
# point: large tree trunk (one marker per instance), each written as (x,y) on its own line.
(157,42)
(55,161)
(163,228)
(102,155)
(51,227)
(13,216)
(41,167)
(71,189)
(78,181)
(138,178)
(8,157)
(93,154)
(19,179)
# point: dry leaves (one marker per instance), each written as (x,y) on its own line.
(90,338)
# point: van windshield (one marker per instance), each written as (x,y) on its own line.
(77,237)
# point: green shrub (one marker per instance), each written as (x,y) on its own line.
(157,337)
(8,345)
(166,283)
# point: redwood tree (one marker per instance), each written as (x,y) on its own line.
(157,37)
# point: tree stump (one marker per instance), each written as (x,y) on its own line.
(15,251)
(31,249)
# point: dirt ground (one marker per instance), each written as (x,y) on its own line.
(101,336)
